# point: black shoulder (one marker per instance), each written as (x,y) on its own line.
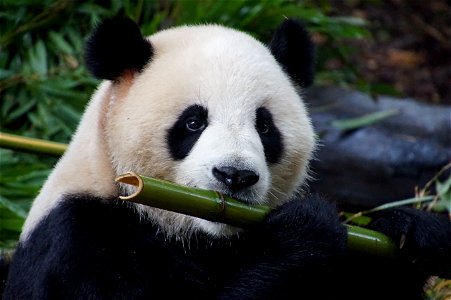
(95,248)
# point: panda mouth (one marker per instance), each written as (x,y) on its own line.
(248,196)
(241,196)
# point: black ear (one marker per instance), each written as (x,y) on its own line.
(116,46)
(294,50)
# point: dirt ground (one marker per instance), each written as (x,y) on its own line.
(410,47)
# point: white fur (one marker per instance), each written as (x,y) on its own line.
(124,128)
(84,167)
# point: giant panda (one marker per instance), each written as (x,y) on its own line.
(213,108)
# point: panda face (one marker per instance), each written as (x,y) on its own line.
(218,113)
(222,153)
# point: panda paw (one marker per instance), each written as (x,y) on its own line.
(424,238)
(306,230)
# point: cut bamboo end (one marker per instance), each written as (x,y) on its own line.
(133,179)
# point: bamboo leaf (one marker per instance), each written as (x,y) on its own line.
(366,120)
(252,14)
(69,115)
(443,188)
(39,60)
(16,209)
(60,43)
(395,204)
(20,111)
(444,197)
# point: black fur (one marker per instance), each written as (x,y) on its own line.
(116,46)
(293,49)
(425,238)
(90,248)
(271,137)
(181,139)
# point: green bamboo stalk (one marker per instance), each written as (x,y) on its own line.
(32,145)
(213,206)
(368,241)
(205,204)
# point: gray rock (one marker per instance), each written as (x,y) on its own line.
(381,162)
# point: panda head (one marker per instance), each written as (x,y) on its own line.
(203,106)
(208,107)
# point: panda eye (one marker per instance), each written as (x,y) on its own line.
(263,127)
(194,125)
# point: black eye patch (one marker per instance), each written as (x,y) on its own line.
(186,131)
(269,135)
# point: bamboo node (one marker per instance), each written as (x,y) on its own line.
(223,203)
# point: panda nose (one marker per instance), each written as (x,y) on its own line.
(235,179)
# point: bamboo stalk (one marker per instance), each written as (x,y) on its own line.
(32,145)
(213,206)
(205,204)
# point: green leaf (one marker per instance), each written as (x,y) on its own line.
(443,188)
(39,58)
(20,111)
(60,43)
(366,120)
(444,196)
(16,209)
(395,204)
